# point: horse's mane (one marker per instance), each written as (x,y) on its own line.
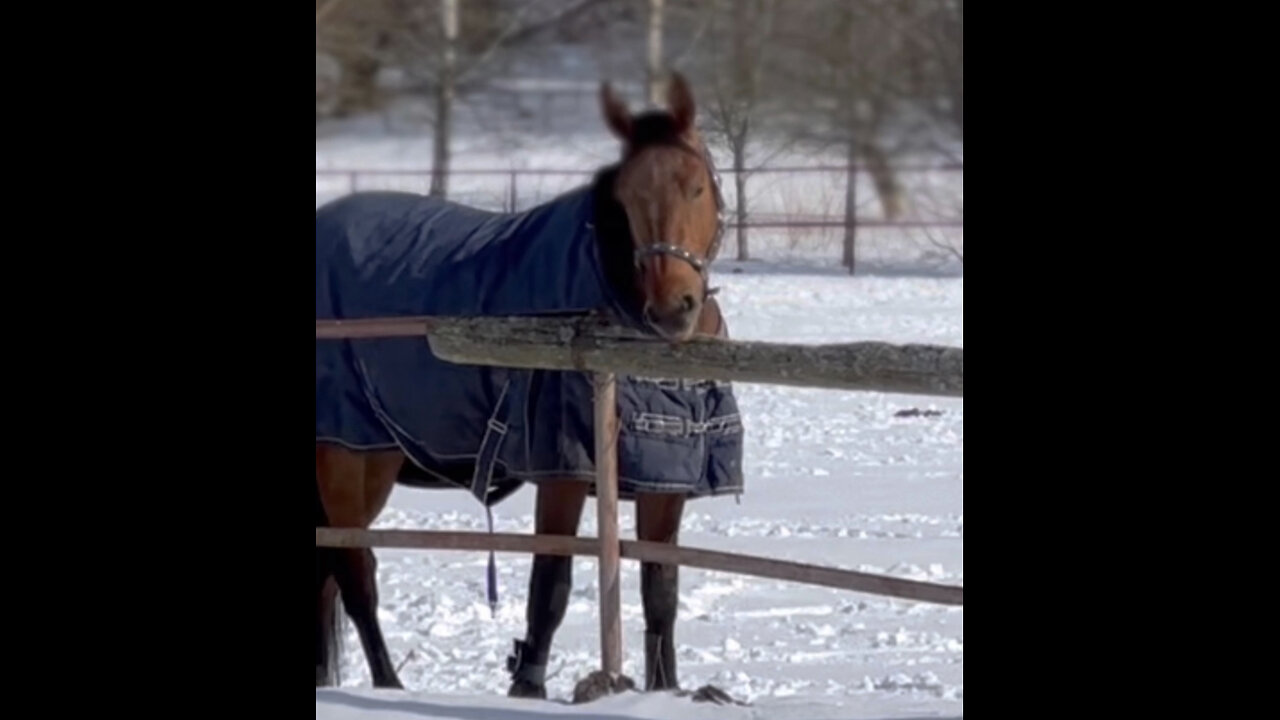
(613,239)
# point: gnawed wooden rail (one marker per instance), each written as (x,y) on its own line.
(588,344)
(648,552)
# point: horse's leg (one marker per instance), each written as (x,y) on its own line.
(658,520)
(559,508)
(354,489)
(328,627)
(328,623)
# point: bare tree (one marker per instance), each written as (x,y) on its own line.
(937,38)
(444,48)
(654,68)
(851,53)
(950,49)
(737,76)
(350,39)
(444,98)
(932,33)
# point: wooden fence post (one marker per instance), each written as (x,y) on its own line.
(606,427)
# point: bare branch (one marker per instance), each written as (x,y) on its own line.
(943,245)
(518,31)
(695,42)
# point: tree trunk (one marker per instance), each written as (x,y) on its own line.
(654,71)
(742,104)
(740,185)
(851,208)
(356,89)
(444,100)
(849,112)
(886,183)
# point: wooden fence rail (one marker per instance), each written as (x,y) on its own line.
(646,552)
(587,344)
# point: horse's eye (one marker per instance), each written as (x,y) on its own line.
(697,192)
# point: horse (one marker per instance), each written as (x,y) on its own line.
(635,244)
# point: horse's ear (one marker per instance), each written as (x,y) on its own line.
(615,112)
(680,100)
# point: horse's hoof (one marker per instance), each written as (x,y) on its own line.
(599,684)
(525,689)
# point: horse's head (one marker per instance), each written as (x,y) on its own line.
(666,185)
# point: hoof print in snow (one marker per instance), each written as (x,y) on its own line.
(599,684)
(917,412)
(711,694)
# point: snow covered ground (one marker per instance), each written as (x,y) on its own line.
(383,705)
(832,478)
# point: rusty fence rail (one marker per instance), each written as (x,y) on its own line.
(511,195)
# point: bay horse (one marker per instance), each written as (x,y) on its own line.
(636,244)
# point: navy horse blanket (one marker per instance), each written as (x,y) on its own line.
(396,254)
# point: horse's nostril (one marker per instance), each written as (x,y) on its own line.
(689,302)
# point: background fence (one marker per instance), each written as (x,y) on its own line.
(798,209)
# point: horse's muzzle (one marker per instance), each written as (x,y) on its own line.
(674,320)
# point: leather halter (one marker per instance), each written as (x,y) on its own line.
(699,264)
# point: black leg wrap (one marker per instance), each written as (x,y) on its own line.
(522,669)
(549,587)
(659,588)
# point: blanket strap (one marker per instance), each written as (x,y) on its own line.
(495,431)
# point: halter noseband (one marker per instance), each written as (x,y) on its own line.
(699,264)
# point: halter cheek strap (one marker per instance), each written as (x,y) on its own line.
(664,249)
